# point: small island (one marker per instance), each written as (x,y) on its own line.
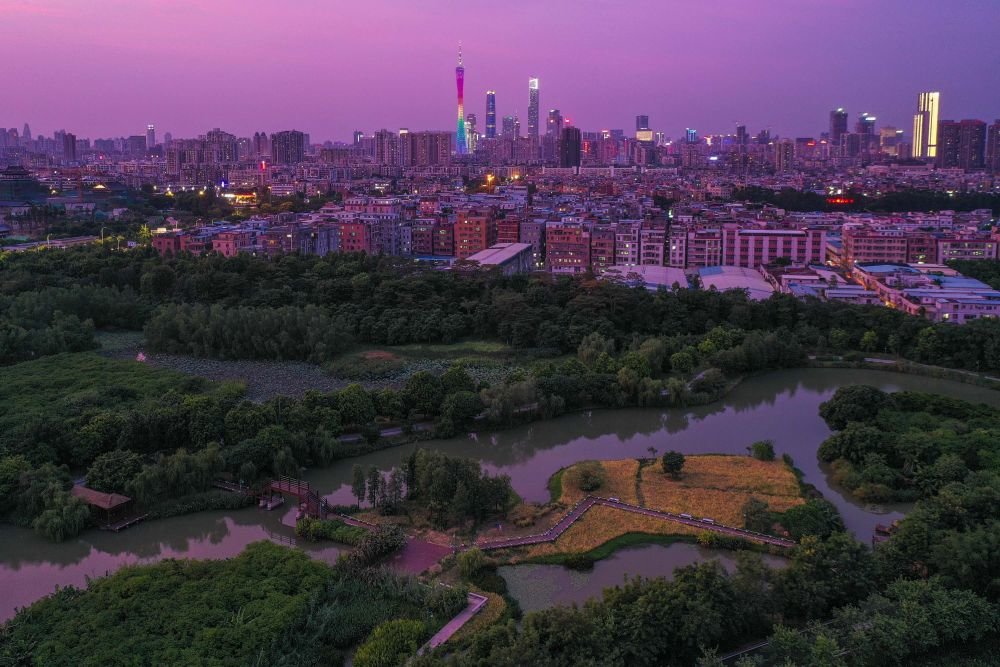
(693,498)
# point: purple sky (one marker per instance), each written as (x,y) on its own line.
(108,67)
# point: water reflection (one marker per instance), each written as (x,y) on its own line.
(33,567)
(782,406)
(542,586)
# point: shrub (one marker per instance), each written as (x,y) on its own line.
(672,463)
(377,544)
(588,476)
(391,644)
(762,450)
(315,530)
(471,562)
(447,601)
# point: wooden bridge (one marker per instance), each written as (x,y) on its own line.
(311,503)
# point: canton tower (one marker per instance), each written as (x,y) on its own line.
(461,145)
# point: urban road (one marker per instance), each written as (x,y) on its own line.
(581,508)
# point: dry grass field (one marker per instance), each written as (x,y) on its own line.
(718,486)
(620,482)
(711,486)
(599,525)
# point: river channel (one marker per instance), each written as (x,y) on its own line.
(782,406)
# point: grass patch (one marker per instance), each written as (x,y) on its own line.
(491,613)
(611,546)
(118,341)
(335,530)
(215,499)
(65,384)
(555,485)
(619,482)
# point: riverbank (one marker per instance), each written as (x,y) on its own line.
(900,365)
(780,405)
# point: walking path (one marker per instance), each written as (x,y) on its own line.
(476,602)
(581,508)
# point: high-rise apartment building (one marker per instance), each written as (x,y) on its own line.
(569,147)
(507,131)
(287,147)
(993,147)
(533,108)
(69,147)
(961,144)
(221,147)
(784,155)
(838,125)
(925,125)
(491,114)
(865,125)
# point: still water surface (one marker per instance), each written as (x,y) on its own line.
(782,406)
(541,586)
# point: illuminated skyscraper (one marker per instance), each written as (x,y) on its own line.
(925,125)
(471,134)
(491,114)
(533,107)
(641,122)
(461,145)
(150,137)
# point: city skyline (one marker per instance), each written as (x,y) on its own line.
(667,66)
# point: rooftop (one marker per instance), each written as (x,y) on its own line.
(105,501)
(500,253)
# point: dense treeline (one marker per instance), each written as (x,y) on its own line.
(985,270)
(906,445)
(158,436)
(269,605)
(302,307)
(889,202)
(678,622)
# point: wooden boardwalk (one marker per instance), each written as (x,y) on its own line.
(585,504)
(476,603)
